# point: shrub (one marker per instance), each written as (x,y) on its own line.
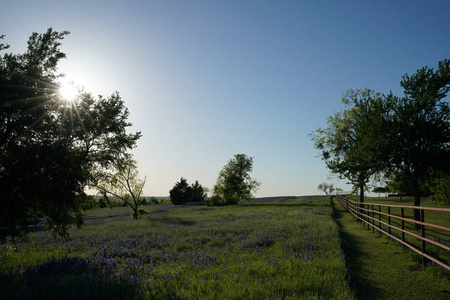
(140,213)
(215,201)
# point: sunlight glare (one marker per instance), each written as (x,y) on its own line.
(68,91)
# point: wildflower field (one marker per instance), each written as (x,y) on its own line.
(277,250)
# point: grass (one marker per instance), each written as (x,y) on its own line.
(380,269)
(288,250)
(434,217)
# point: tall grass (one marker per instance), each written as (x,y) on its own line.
(288,250)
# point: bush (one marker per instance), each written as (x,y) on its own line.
(142,212)
(215,201)
(102,203)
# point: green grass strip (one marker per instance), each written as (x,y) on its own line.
(381,269)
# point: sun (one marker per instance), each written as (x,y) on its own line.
(68,91)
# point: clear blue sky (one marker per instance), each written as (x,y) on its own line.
(205,80)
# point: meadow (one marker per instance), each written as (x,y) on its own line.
(276,250)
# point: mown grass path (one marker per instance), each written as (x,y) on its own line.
(380,269)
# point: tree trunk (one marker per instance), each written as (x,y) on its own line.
(135,213)
(361,193)
(416,200)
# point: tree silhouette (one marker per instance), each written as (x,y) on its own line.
(49,147)
(181,193)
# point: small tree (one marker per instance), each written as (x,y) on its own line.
(198,192)
(123,184)
(380,190)
(400,184)
(326,188)
(439,185)
(234,182)
(181,193)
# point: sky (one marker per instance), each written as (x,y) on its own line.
(205,80)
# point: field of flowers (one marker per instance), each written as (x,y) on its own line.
(278,250)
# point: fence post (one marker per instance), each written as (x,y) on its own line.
(379,219)
(373,221)
(402,214)
(422,234)
(389,219)
(363,214)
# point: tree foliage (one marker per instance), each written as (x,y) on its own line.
(198,192)
(183,193)
(51,147)
(350,136)
(379,190)
(328,189)
(406,135)
(234,183)
(420,127)
(439,185)
(123,183)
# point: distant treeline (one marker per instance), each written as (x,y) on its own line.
(98,201)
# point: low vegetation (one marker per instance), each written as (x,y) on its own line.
(280,250)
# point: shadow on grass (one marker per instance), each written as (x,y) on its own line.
(307,201)
(174,221)
(65,278)
(353,250)
(284,204)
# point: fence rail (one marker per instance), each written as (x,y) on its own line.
(397,226)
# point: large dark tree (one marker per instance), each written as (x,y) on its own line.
(181,193)
(198,192)
(50,147)
(420,126)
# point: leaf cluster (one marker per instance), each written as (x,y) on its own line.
(378,133)
(122,182)
(183,193)
(50,148)
(234,183)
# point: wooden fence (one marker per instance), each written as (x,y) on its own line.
(397,222)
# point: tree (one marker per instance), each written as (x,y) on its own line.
(420,127)
(198,192)
(439,185)
(181,193)
(400,184)
(380,190)
(326,188)
(234,183)
(347,144)
(404,136)
(123,184)
(50,147)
